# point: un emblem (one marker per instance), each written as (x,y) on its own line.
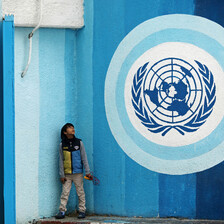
(164,94)
(174,92)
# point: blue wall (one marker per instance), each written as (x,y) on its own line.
(8,120)
(45,99)
(134,190)
(66,83)
(142,192)
(84,87)
(1,130)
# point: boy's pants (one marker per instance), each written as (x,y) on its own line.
(77,179)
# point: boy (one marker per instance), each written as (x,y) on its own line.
(72,157)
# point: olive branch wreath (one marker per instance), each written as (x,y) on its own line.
(195,122)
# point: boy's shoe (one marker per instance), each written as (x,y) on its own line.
(60,215)
(81,215)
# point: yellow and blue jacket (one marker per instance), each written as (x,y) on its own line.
(72,157)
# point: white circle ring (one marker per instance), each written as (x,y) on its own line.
(168,166)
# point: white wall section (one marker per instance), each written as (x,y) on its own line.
(56,13)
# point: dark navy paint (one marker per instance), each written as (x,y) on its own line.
(210,193)
(210,183)
(210,9)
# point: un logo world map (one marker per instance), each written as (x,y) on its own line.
(172,91)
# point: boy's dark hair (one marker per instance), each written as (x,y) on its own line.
(64,128)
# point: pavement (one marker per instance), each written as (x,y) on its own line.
(94,219)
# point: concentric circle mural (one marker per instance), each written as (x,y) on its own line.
(164,94)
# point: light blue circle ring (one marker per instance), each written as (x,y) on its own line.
(173,167)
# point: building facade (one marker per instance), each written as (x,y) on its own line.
(142,83)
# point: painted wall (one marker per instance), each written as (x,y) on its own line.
(135,190)
(2,130)
(45,99)
(66,83)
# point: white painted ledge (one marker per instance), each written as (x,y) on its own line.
(55,13)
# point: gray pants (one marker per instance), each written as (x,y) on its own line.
(77,179)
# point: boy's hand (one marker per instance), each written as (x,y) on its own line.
(89,176)
(63,179)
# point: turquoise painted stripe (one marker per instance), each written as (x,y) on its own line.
(70,76)
(141,191)
(52,116)
(9,125)
(1,131)
(70,94)
(84,95)
(109,159)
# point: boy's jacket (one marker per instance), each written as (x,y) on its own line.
(72,157)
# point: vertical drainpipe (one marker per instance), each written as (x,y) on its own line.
(8,120)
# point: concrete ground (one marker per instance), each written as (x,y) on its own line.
(126,220)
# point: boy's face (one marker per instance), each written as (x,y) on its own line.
(70,131)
